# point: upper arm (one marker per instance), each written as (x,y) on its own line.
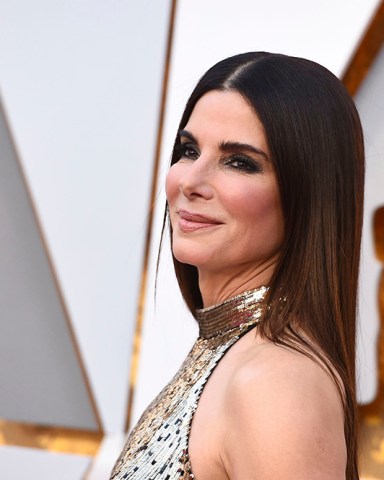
(284,421)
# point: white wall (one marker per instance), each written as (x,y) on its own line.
(81,84)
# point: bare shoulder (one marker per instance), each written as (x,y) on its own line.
(284,418)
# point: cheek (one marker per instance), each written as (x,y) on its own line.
(172,184)
(258,209)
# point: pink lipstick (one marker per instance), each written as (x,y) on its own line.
(190,222)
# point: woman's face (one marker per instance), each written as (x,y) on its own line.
(222,193)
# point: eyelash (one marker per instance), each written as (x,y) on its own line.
(244,163)
(182,151)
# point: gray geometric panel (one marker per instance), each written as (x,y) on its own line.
(40,375)
(18,463)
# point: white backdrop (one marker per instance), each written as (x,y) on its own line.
(81,84)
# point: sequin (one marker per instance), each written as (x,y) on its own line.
(157,448)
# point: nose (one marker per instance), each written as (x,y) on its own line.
(197,180)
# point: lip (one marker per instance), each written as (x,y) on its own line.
(190,222)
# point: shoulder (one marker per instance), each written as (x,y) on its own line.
(285,417)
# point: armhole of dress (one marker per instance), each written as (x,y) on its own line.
(209,372)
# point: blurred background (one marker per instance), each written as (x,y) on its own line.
(91,93)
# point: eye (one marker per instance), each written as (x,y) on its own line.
(187,150)
(244,164)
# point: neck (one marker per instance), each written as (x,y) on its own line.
(241,311)
(215,287)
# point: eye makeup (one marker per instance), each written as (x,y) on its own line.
(239,156)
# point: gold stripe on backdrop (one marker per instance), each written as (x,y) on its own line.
(365,52)
(65,440)
(156,164)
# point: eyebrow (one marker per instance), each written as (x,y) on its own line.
(228,146)
(186,134)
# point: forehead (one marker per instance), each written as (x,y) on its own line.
(227,116)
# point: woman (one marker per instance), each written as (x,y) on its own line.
(265,198)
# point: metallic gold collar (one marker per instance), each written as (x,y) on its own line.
(220,318)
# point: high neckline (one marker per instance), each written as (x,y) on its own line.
(220,318)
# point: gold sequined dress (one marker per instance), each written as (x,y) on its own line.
(157,447)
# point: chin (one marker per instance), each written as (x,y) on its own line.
(191,256)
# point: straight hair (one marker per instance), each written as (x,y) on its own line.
(316,144)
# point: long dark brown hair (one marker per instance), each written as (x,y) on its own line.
(315,140)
